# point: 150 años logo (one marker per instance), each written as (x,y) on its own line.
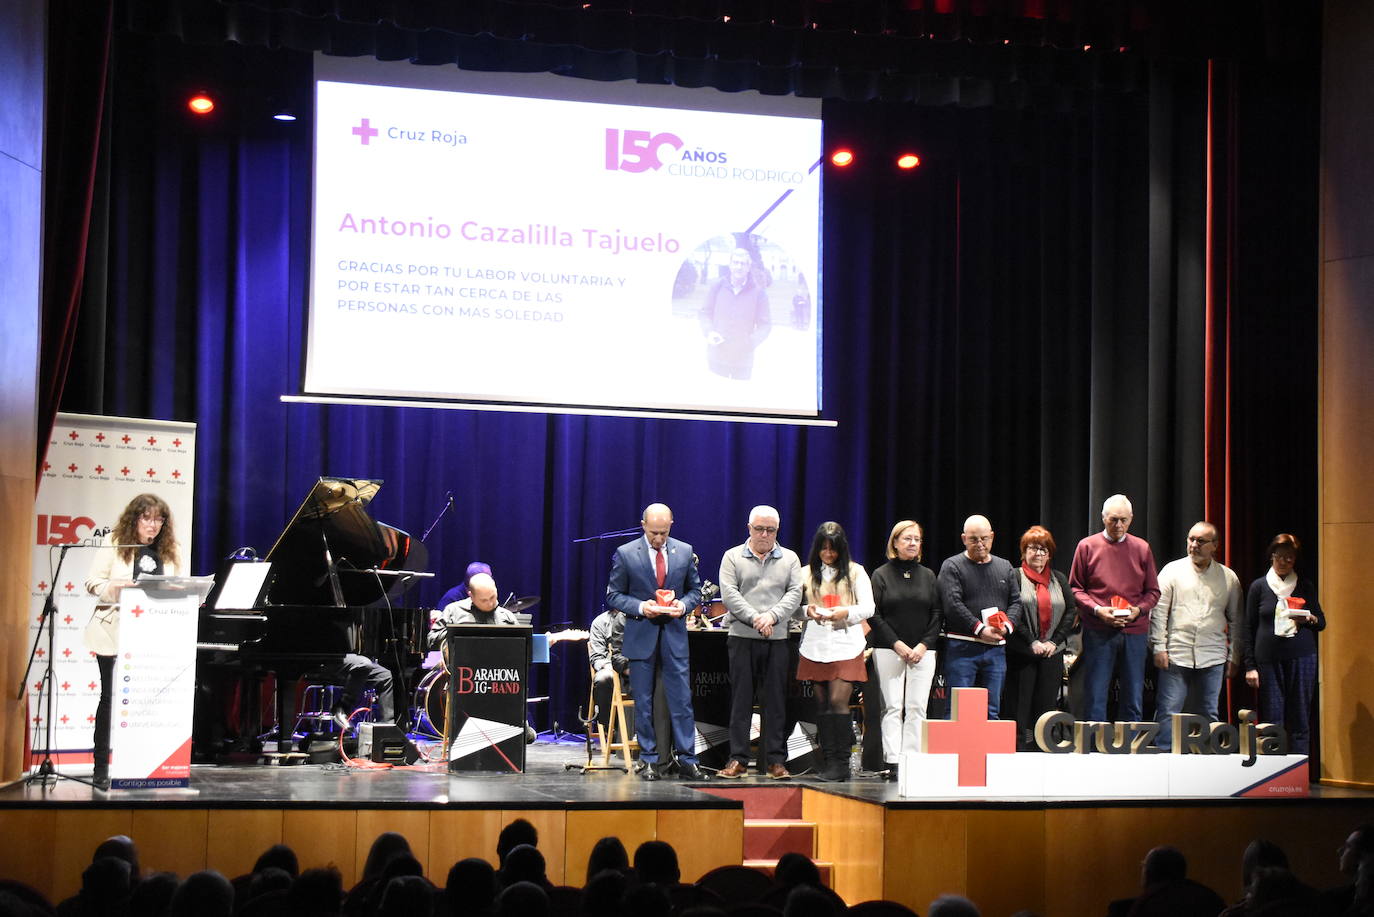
(56,529)
(640,151)
(637,151)
(1059,733)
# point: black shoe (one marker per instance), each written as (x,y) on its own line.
(891,776)
(100,773)
(651,772)
(687,771)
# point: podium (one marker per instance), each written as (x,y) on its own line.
(488,666)
(154,682)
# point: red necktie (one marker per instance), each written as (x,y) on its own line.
(660,567)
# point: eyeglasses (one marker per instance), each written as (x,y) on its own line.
(978,539)
(148,517)
(1193,539)
(1118,520)
(910,539)
(764,529)
(1037,549)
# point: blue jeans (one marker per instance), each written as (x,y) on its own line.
(1101,650)
(1181,689)
(977,665)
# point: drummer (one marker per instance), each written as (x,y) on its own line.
(480,607)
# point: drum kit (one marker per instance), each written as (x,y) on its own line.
(431,695)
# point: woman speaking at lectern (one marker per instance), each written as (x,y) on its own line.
(143,543)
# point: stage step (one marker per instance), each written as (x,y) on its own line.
(776,801)
(826,869)
(773,825)
(768,839)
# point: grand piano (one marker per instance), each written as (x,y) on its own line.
(335,573)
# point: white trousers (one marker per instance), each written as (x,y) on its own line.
(906,691)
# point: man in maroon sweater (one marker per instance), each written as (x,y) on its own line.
(1114,581)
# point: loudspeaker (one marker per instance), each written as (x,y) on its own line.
(385,743)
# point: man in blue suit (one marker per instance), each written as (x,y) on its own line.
(656,635)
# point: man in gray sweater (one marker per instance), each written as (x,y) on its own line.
(761,585)
(974,585)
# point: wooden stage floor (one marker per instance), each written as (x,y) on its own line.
(1054,857)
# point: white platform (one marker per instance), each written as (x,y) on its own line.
(1033,775)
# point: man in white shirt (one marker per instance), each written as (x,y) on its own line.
(1194,632)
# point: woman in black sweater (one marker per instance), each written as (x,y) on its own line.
(906,620)
(1279,648)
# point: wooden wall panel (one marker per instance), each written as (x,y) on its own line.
(23,47)
(459,834)
(1346,386)
(924,856)
(323,837)
(1056,861)
(1007,866)
(30,853)
(1101,842)
(175,840)
(1347,391)
(1347,141)
(552,827)
(850,837)
(703,840)
(1346,660)
(77,833)
(585,828)
(413,826)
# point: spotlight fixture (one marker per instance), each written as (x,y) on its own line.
(284,114)
(842,157)
(201,103)
(908,161)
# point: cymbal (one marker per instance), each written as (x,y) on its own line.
(520,604)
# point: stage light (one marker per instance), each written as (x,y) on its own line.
(908,161)
(284,114)
(842,158)
(201,103)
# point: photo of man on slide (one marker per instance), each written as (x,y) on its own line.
(735,318)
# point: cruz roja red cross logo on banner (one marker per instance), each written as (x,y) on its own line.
(969,734)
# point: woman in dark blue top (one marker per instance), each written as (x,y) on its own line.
(1282,619)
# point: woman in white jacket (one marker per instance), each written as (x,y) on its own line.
(143,542)
(838,598)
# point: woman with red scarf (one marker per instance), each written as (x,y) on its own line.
(1035,647)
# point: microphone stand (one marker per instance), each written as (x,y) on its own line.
(47,773)
(619,533)
(448,505)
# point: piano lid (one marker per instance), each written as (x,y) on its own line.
(334,514)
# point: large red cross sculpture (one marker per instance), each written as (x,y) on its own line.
(969,734)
